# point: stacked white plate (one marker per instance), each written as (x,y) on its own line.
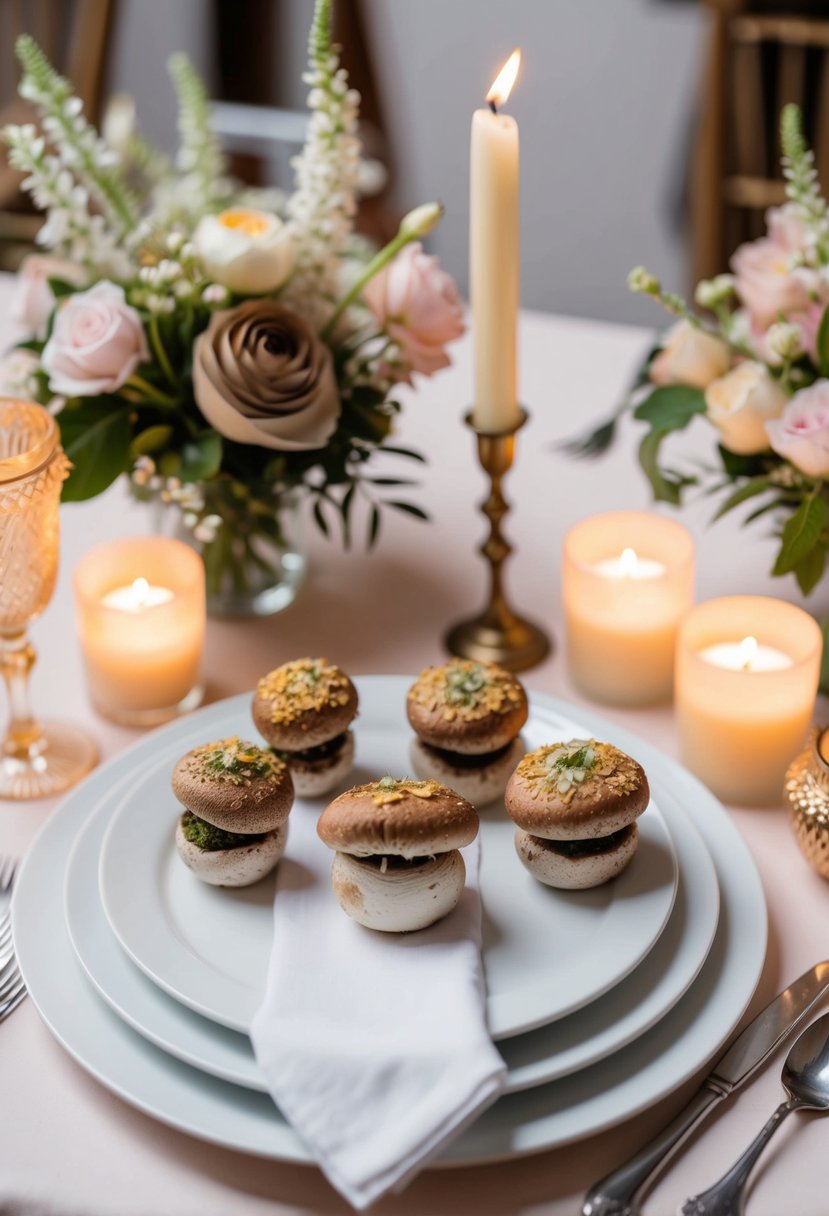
(601,1001)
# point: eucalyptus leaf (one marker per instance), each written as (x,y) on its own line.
(373,527)
(801,533)
(408,508)
(321,521)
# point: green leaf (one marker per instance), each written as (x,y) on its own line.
(153,439)
(736,465)
(201,457)
(61,288)
(801,533)
(750,489)
(666,486)
(373,527)
(322,522)
(410,453)
(670,408)
(822,343)
(809,572)
(345,508)
(96,438)
(408,508)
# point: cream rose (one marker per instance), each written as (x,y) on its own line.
(34,299)
(262,376)
(801,434)
(250,252)
(741,403)
(97,343)
(690,356)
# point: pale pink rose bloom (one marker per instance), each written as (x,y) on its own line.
(97,343)
(769,286)
(33,297)
(690,356)
(801,434)
(418,306)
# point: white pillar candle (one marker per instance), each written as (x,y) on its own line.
(494,257)
(744,700)
(627,579)
(140,607)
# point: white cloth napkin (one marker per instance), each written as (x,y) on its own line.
(374,1045)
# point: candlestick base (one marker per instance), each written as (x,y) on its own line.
(516,645)
(498,635)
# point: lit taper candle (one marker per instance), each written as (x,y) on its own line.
(494,256)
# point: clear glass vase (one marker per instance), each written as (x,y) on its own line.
(251,537)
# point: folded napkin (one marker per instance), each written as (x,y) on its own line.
(374,1045)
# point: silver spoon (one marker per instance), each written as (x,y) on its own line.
(805,1079)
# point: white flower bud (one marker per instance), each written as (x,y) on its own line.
(785,340)
(642,281)
(421,221)
(711,292)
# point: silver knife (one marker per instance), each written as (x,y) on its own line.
(617,1194)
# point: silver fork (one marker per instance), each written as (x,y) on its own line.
(12,987)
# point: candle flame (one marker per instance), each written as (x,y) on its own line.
(140,588)
(747,653)
(503,82)
(627,562)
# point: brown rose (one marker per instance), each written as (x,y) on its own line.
(261,375)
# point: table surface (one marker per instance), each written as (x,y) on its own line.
(70,1146)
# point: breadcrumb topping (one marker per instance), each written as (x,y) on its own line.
(388,790)
(467,690)
(235,762)
(569,769)
(305,684)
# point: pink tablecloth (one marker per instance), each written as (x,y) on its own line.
(68,1145)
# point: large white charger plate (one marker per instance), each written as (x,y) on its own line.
(567,1110)
(542,1055)
(546,952)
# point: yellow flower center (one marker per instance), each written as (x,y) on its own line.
(252,223)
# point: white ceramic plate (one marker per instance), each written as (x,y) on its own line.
(546,952)
(567,1110)
(552,1051)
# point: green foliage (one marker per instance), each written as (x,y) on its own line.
(95,435)
(824,664)
(319,41)
(823,344)
(201,457)
(749,489)
(666,410)
(803,543)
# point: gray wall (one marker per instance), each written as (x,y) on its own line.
(605,104)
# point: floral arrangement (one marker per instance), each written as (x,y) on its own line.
(756,368)
(222,348)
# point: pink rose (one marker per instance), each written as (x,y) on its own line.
(769,286)
(801,433)
(787,229)
(419,307)
(33,297)
(97,343)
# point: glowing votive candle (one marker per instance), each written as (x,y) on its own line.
(627,579)
(140,608)
(747,670)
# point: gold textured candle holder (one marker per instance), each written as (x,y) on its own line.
(498,635)
(807,796)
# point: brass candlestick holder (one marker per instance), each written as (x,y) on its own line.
(498,635)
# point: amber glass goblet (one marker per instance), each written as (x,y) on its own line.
(35,760)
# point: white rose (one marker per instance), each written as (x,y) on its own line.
(741,403)
(247,251)
(690,356)
(33,297)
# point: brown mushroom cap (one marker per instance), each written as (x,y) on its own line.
(304,703)
(407,818)
(550,795)
(467,707)
(234,785)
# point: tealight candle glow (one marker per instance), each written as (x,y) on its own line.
(140,607)
(627,578)
(744,700)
